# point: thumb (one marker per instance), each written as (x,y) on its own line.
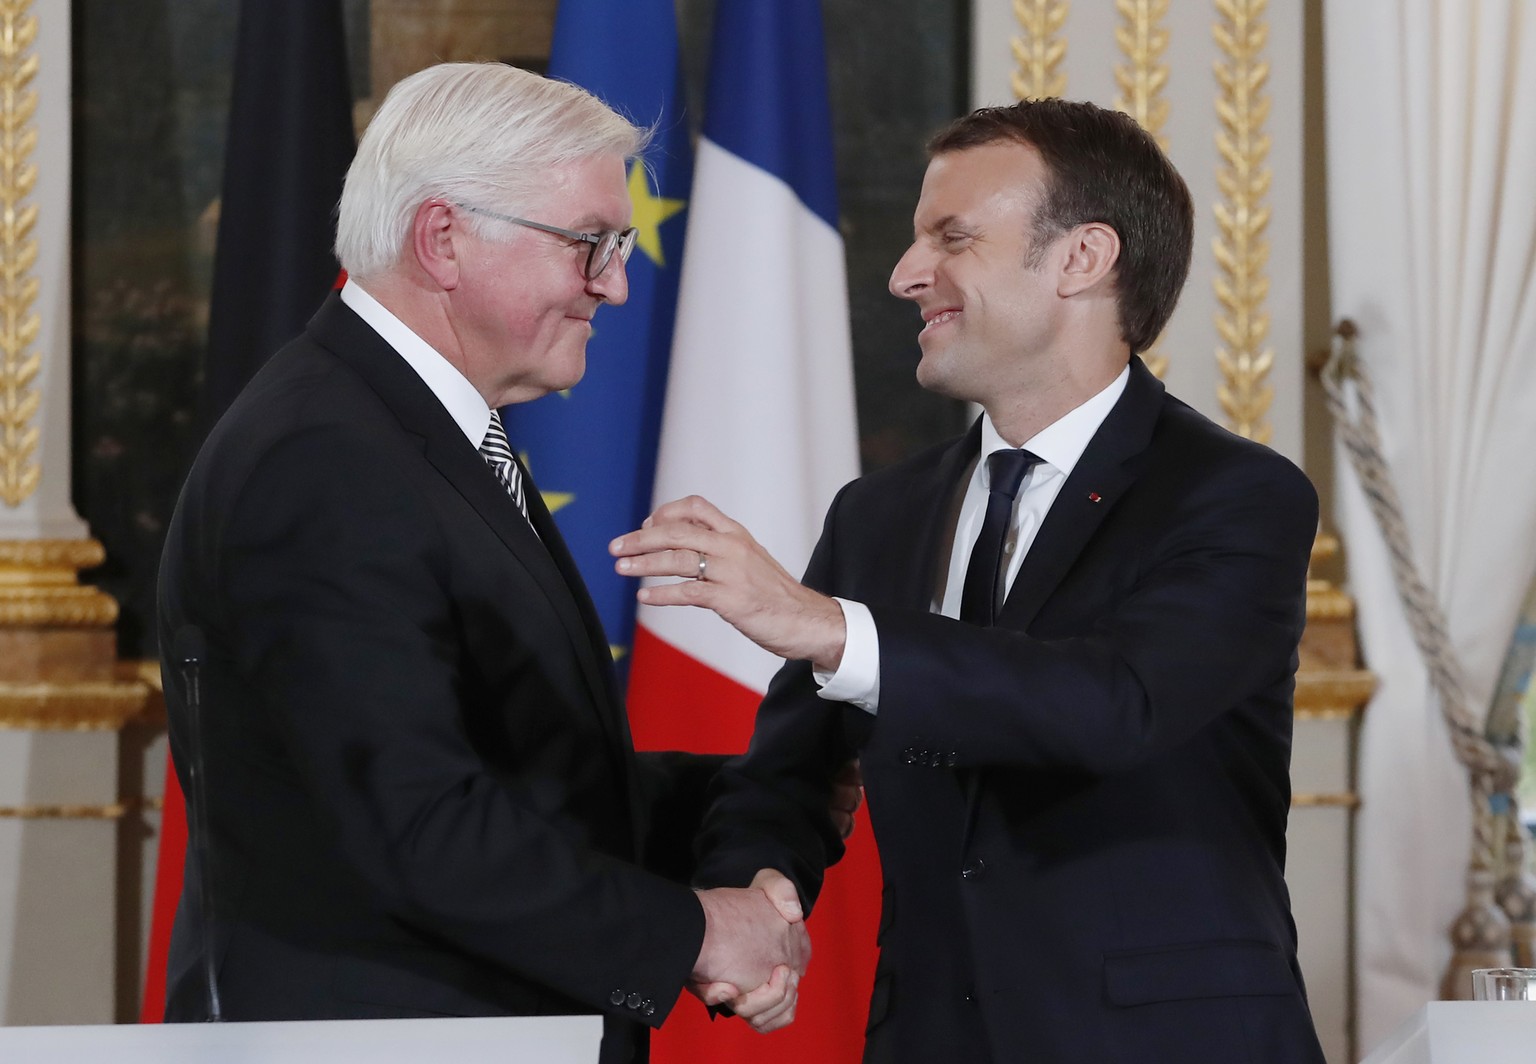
(781,892)
(715,994)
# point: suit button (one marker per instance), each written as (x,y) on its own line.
(909,755)
(953,759)
(633,1001)
(616,998)
(975,870)
(936,760)
(647,1009)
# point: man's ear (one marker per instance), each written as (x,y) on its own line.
(1093,249)
(434,232)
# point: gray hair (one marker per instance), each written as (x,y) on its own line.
(479,133)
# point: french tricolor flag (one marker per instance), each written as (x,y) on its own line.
(759,419)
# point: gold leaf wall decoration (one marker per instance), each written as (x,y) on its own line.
(1142,39)
(19,326)
(1242,215)
(1039,50)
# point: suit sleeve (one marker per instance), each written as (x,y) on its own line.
(334,574)
(1213,617)
(674,785)
(769,807)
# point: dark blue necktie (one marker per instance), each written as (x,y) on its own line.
(1006,469)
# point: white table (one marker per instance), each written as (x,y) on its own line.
(1463,1032)
(521,1040)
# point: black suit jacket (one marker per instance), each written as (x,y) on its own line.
(422,793)
(1081,811)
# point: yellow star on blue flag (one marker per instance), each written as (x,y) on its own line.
(650,211)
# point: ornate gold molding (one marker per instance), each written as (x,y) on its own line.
(1142,40)
(114,811)
(1327,714)
(84,705)
(1314,801)
(65,556)
(19,325)
(1242,215)
(1332,694)
(40,588)
(57,607)
(1038,51)
(1327,603)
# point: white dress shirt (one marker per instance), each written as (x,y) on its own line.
(1059,446)
(464,404)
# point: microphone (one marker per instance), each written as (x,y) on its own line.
(189,649)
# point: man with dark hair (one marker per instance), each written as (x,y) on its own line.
(1064,645)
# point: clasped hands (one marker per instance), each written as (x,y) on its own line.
(755,950)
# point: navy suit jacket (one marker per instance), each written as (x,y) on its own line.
(1081,811)
(422,793)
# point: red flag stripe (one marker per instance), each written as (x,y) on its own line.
(678,703)
(173,847)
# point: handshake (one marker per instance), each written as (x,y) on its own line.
(755,950)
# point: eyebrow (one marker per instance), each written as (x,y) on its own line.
(593,221)
(949,221)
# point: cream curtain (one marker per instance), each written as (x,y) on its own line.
(1431,114)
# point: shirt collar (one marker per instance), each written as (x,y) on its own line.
(1061,443)
(464,404)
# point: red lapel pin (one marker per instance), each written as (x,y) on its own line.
(1094,496)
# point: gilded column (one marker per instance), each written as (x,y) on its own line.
(1142,39)
(61,699)
(1242,215)
(1039,49)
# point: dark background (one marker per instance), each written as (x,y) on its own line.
(151,89)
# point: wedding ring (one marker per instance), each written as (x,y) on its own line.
(703,566)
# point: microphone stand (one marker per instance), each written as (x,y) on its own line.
(190,650)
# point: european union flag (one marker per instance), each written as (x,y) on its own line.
(592,450)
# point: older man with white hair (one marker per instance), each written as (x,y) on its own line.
(421,795)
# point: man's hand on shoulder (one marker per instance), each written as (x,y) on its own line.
(729,572)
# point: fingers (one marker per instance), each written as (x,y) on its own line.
(799,947)
(715,994)
(669,560)
(847,796)
(781,891)
(772,1005)
(694,513)
(694,509)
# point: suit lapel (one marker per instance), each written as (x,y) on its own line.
(934,496)
(346,335)
(1098,481)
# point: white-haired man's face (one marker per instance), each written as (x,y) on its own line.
(522,309)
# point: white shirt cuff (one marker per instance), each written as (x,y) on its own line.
(857,679)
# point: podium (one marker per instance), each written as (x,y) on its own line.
(1463,1032)
(479,1040)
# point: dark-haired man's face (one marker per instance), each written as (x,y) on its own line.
(988,313)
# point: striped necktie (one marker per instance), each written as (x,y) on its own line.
(497,453)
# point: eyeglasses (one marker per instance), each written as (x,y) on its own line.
(602,245)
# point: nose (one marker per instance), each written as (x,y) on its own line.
(612,285)
(913,273)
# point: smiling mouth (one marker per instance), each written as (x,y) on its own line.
(940,318)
